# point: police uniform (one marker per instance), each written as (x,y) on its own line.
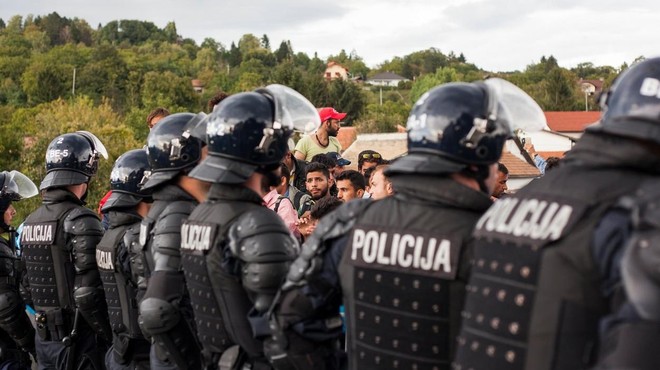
(236,251)
(58,245)
(16,330)
(629,338)
(17,334)
(400,264)
(130,350)
(544,272)
(165,311)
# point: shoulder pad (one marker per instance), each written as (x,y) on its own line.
(172,217)
(82,221)
(332,226)
(261,235)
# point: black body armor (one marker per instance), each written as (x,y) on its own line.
(404,266)
(13,319)
(235,254)
(165,312)
(120,288)
(59,249)
(534,298)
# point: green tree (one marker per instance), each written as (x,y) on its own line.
(429,81)
(284,52)
(168,90)
(265,42)
(348,97)
(57,117)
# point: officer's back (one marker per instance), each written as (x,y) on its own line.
(58,243)
(547,259)
(401,263)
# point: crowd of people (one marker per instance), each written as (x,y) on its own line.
(222,244)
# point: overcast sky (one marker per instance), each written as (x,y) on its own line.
(496,35)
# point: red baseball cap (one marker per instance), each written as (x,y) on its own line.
(330,113)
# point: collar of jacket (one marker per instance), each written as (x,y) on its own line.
(441,190)
(172,192)
(59,195)
(124,217)
(220,192)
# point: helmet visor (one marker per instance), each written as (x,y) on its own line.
(98,145)
(522,111)
(293,110)
(20,186)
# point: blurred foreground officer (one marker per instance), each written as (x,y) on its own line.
(547,259)
(236,252)
(631,336)
(17,334)
(402,262)
(165,312)
(125,209)
(58,245)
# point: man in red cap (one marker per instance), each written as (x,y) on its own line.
(324,140)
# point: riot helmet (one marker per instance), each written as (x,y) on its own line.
(172,149)
(249,132)
(14,186)
(453,126)
(72,159)
(631,107)
(127,179)
(460,127)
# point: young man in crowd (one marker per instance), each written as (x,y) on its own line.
(350,185)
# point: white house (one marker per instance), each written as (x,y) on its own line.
(335,70)
(386,79)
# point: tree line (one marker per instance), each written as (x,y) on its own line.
(59,74)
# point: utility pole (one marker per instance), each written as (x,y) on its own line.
(73,88)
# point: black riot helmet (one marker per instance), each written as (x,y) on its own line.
(72,159)
(127,179)
(172,149)
(631,108)
(249,132)
(14,186)
(453,126)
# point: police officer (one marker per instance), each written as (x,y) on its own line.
(631,335)
(125,208)
(165,312)
(400,263)
(546,259)
(236,251)
(17,334)
(58,245)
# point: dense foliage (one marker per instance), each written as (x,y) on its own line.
(59,74)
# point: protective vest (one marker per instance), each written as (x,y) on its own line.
(9,267)
(631,342)
(534,299)
(403,274)
(48,258)
(120,290)
(216,264)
